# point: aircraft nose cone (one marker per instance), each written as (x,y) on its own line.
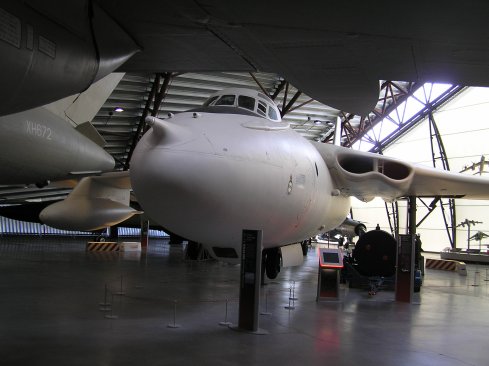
(170,174)
(106,161)
(166,133)
(92,158)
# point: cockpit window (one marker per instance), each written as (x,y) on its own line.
(226,100)
(246,102)
(262,109)
(272,114)
(243,102)
(210,100)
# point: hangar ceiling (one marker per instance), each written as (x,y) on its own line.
(186,91)
(181,92)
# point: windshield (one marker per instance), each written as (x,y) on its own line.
(261,106)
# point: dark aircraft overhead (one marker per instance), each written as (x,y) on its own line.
(336,52)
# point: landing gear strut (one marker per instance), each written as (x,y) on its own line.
(305,246)
(271,261)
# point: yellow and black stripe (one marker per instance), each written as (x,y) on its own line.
(443,264)
(102,246)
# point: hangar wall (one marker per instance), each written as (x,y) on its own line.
(15,227)
(464,126)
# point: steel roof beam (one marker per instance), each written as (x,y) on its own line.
(405,126)
(155,97)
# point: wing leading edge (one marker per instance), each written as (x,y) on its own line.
(366,175)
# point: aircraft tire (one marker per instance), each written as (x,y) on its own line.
(272,263)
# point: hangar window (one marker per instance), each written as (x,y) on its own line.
(226,100)
(210,100)
(262,109)
(246,102)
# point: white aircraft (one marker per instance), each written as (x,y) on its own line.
(232,164)
(248,169)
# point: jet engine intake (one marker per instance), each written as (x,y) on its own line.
(388,178)
(394,170)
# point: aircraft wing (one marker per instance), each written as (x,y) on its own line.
(366,175)
(335,52)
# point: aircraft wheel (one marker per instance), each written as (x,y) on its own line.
(272,263)
(193,250)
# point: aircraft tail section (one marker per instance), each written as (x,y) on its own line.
(87,130)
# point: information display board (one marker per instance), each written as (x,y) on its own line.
(250,280)
(330,258)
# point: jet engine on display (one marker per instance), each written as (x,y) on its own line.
(375,254)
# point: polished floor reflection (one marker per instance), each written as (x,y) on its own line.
(50,313)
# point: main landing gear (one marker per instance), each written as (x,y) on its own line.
(271,260)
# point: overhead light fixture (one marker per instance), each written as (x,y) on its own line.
(118,109)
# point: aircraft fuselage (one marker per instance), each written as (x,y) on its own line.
(37,146)
(208,176)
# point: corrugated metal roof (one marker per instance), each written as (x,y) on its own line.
(190,90)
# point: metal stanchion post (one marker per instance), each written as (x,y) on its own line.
(290,306)
(293,292)
(121,292)
(477,278)
(111,315)
(105,306)
(225,322)
(266,312)
(174,324)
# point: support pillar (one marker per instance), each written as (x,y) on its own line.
(406,257)
(144,234)
(114,233)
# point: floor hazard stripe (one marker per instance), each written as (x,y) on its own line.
(102,246)
(442,264)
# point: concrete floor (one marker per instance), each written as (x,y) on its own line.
(50,291)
